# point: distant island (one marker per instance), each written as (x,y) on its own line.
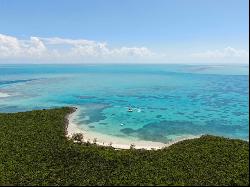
(34,150)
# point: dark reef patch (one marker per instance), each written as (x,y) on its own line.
(94,112)
(85,97)
(102,123)
(159,131)
(128,131)
(239,113)
(15,81)
(162,108)
(10,109)
(121,101)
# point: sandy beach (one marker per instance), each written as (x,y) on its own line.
(116,142)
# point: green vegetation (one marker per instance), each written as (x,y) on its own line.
(34,151)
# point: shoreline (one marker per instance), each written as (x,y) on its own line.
(113,141)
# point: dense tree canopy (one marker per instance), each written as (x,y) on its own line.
(35,151)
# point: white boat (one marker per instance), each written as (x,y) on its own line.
(130,109)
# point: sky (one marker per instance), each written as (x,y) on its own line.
(131,31)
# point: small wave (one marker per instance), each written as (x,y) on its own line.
(2,94)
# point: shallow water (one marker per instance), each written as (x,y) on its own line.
(168,101)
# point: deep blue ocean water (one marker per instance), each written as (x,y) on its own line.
(168,101)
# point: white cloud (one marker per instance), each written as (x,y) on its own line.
(133,51)
(64,49)
(227,52)
(61,50)
(11,47)
(57,41)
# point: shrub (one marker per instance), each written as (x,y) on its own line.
(78,137)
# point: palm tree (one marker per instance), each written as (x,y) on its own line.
(95,140)
(132,146)
(78,137)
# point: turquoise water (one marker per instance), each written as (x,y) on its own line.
(168,101)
